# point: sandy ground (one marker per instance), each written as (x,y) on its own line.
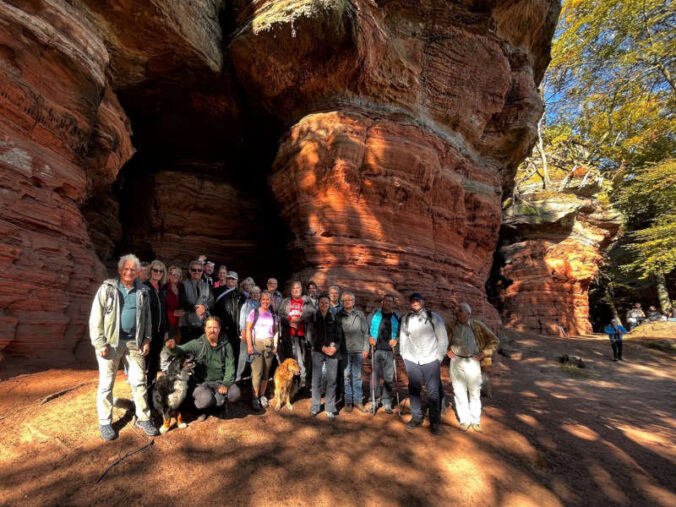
(554,435)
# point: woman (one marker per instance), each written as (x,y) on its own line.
(356,349)
(222,275)
(261,343)
(615,331)
(327,337)
(250,304)
(246,285)
(158,316)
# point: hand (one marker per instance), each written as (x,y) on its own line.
(249,349)
(105,352)
(479,356)
(451,354)
(392,343)
(372,341)
(170,344)
(145,348)
(222,390)
(200,310)
(365,354)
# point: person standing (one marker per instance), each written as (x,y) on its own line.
(615,331)
(423,344)
(228,302)
(222,275)
(355,348)
(213,380)
(195,298)
(294,314)
(208,273)
(262,334)
(158,313)
(277,297)
(334,298)
(383,337)
(253,302)
(471,345)
(120,328)
(326,337)
(174,310)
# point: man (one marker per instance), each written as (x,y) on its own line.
(383,337)
(312,293)
(355,349)
(213,379)
(334,298)
(195,298)
(208,274)
(326,338)
(294,314)
(276,295)
(120,328)
(471,346)
(228,302)
(423,343)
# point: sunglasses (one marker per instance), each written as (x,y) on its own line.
(196,270)
(158,270)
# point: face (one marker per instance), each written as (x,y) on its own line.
(128,272)
(174,277)
(296,290)
(256,295)
(195,271)
(416,305)
(348,302)
(231,282)
(387,305)
(212,329)
(312,290)
(272,284)
(324,305)
(462,315)
(156,272)
(222,274)
(143,273)
(209,268)
(333,295)
(265,302)
(248,286)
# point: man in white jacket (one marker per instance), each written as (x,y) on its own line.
(423,343)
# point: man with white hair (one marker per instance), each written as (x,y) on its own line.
(120,328)
(471,346)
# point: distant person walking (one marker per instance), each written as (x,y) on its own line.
(615,331)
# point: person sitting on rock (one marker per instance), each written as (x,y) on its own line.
(471,345)
(654,315)
(615,331)
(120,328)
(213,380)
(423,342)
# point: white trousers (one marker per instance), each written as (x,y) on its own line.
(127,351)
(466,379)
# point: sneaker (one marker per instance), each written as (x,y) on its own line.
(314,413)
(202,417)
(107,432)
(477,428)
(348,408)
(265,403)
(464,427)
(361,407)
(388,409)
(435,428)
(256,404)
(414,423)
(148,428)
(330,416)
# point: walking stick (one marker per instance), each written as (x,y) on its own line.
(396,384)
(373,380)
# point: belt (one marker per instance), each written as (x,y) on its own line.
(465,357)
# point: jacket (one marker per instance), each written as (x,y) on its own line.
(104,319)
(615,333)
(188,299)
(423,340)
(227,308)
(283,314)
(158,309)
(374,322)
(486,340)
(355,331)
(217,364)
(248,305)
(324,330)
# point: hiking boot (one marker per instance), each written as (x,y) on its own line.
(414,423)
(348,408)
(435,428)
(388,410)
(464,427)
(148,428)
(265,403)
(330,416)
(361,407)
(477,428)
(256,404)
(107,432)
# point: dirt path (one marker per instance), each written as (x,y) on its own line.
(598,436)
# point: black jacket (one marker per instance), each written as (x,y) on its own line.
(158,309)
(325,330)
(227,309)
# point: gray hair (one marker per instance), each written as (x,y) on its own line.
(466,307)
(349,294)
(337,287)
(128,258)
(257,288)
(196,262)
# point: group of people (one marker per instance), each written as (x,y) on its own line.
(636,316)
(148,313)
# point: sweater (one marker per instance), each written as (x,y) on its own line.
(422,341)
(355,331)
(212,366)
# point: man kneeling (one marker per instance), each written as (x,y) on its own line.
(213,379)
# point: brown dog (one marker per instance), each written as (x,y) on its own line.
(285,387)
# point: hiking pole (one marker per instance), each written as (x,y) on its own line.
(396,384)
(373,380)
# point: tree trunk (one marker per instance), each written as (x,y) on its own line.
(662,292)
(543,156)
(611,302)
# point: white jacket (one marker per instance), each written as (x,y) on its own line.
(421,341)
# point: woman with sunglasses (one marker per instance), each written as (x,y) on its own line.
(158,316)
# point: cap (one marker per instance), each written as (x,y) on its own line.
(416,296)
(232,274)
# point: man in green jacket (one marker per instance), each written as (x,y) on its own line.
(213,380)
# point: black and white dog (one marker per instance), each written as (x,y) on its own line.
(171,389)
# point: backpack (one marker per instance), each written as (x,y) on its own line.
(203,352)
(428,318)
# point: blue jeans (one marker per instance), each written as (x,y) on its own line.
(352,374)
(318,360)
(430,374)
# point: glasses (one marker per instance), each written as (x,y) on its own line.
(158,270)
(196,270)
(133,270)
(173,273)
